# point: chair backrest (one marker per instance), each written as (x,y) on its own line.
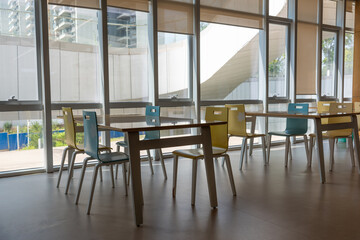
(324,107)
(219,133)
(70,134)
(91,138)
(337,108)
(236,119)
(297,125)
(152,114)
(357,109)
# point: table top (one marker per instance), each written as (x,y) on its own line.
(308,116)
(136,122)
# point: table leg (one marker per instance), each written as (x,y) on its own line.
(135,172)
(356,138)
(319,140)
(209,164)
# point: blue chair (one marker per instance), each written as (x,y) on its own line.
(294,127)
(91,147)
(151,111)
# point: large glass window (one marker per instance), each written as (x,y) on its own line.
(174,65)
(349,61)
(329,12)
(328,67)
(128,55)
(75,63)
(229,62)
(278,8)
(278,60)
(18,68)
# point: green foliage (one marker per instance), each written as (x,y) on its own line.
(277,67)
(7,127)
(36,133)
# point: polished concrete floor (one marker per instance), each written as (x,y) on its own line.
(272,203)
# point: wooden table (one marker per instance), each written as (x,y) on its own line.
(319,128)
(162,123)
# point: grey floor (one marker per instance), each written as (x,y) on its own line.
(272,203)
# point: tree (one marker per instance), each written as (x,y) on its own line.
(7,127)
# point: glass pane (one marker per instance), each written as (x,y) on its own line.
(328,73)
(229,62)
(75,63)
(350,14)
(128,55)
(278,8)
(21,141)
(174,65)
(277,61)
(18,68)
(329,13)
(349,60)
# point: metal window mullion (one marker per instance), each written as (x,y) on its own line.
(341,22)
(154,50)
(104,51)
(293,4)
(196,97)
(42,48)
(319,52)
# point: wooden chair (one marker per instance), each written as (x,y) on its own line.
(336,108)
(219,139)
(70,140)
(91,147)
(237,128)
(151,111)
(294,127)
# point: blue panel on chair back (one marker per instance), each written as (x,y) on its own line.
(152,117)
(91,138)
(153,111)
(297,125)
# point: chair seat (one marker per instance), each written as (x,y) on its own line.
(248,135)
(327,135)
(198,152)
(80,147)
(287,133)
(122,143)
(113,157)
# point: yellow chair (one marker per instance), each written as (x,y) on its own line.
(237,128)
(70,140)
(219,140)
(357,109)
(336,108)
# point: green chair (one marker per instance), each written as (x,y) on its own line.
(91,147)
(294,127)
(70,140)
(151,111)
(219,140)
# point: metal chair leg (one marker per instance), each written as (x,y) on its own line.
(116,171)
(124,178)
(112,175)
(62,165)
(101,174)
(243,147)
(162,163)
(332,148)
(81,179)
(230,173)
(311,147)
(175,167)
(287,140)
(306,149)
(193,187)
(93,187)
(71,171)
(351,148)
(263,145)
(150,162)
(268,148)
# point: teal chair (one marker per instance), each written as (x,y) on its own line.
(151,111)
(294,127)
(91,147)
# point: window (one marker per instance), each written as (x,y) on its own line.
(278,60)
(128,55)
(328,66)
(174,65)
(349,60)
(229,62)
(278,8)
(18,63)
(329,12)
(75,62)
